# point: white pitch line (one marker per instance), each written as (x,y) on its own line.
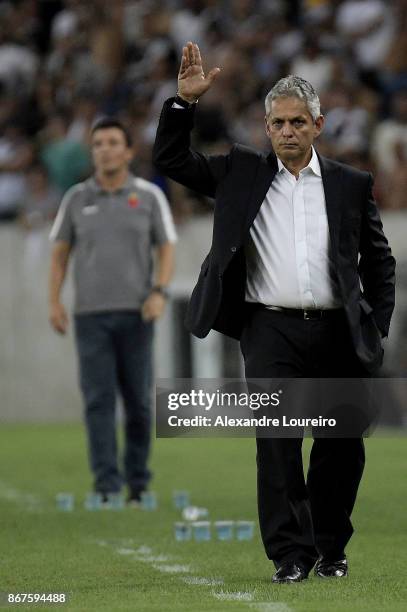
(143,550)
(130,552)
(172,569)
(160,563)
(157,562)
(268,606)
(28,501)
(32,503)
(125,551)
(143,554)
(153,559)
(196,580)
(233,596)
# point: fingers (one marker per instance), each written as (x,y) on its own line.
(146,311)
(192,54)
(61,330)
(62,324)
(190,57)
(59,320)
(59,326)
(184,60)
(153,307)
(197,56)
(146,316)
(212,74)
(192,72)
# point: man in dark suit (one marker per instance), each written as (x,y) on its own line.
(301,273)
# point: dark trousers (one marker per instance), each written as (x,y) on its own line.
(115,354)
(300,520)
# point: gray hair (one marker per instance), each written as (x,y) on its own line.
(291,86)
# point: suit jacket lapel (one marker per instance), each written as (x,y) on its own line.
(266,172)
(331,179)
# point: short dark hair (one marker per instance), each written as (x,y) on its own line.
(104,123)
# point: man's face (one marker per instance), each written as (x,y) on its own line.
(291,128)
(110,151)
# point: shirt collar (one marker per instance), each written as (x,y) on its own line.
(313,164)
(97,187)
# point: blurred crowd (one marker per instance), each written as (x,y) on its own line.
(63,63)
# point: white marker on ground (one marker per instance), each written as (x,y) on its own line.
(172,569)
(269,606)
(160,563)
(143,550)
(196,580)
(29,501)
(32,503)
(153,558)
(233,596)
(125,551)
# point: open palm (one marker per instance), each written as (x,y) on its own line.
(192,82)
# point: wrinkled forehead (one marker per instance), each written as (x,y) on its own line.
(288,107)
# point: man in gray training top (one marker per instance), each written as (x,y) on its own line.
(112,222)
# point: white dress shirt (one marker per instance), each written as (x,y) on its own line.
(288,252)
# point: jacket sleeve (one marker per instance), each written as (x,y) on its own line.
(376,264)
(173,156)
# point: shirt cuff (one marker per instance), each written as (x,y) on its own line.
(181,103)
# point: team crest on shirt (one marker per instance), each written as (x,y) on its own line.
(133,200)
(90,209)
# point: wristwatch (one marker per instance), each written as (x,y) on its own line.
(160,289)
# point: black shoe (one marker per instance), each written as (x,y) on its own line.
(134,499)
(290,572)
(104,499)
(328,568)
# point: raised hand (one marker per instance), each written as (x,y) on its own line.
(192,82)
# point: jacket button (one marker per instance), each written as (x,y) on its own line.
(233,249)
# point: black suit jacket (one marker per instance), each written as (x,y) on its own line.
(239,182)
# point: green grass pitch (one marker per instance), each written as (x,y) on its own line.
(129,560)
